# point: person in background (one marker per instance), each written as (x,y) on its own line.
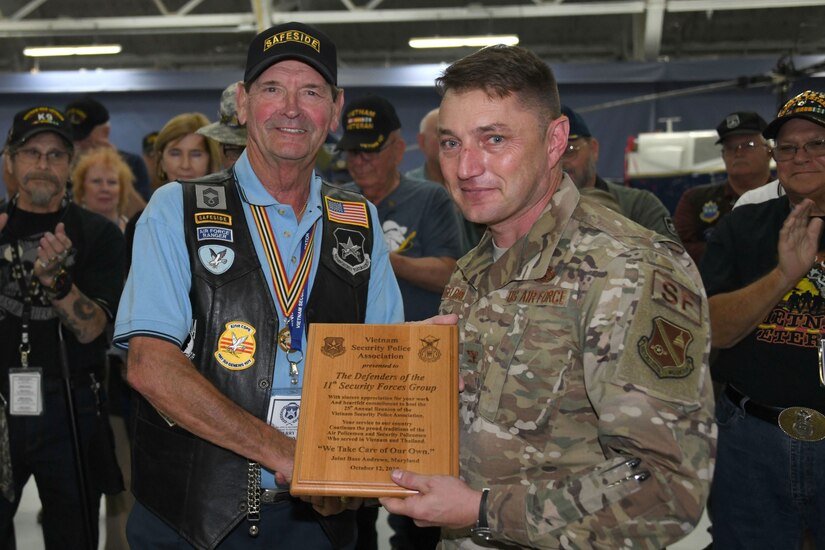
(91,129)
(580,160)
(747,158)
(150,160)
(228,271)
(61,272)
(764,271)
(428,144)
(586,419)
(182,153)
(227,131)
(421,228)
(102,184)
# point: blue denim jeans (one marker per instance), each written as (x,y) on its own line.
(767,487)
(41,446)
(288,524)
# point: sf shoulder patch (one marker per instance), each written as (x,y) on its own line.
(665,350)
(349,250)
(236,346)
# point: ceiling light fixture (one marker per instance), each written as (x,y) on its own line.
(464,41)
(59,51)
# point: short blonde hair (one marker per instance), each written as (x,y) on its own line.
(108,158)
(177,128)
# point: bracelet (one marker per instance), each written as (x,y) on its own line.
(60,287)
(481,533)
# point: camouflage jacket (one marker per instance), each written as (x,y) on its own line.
(583,347)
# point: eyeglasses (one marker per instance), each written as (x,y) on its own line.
(33,156)
(746,147)
(787,151)
(571,151)
(231,152)
(367,156)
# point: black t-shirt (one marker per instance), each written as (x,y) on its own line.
(777,363)
(97,271)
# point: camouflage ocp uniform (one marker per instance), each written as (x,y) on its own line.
(583,348)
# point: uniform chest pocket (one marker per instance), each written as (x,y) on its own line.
(526,373)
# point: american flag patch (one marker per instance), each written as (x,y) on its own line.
(350,213)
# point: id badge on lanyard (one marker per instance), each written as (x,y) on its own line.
(26,391)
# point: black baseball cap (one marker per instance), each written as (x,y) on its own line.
(740,123)
(84,114)
(808,105)
(148,142)
(292,41)
(578,128)
(36,120)
(367,124)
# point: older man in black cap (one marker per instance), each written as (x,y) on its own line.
(579,161)
(230,269)
(765,277)
(421,226)
(747,157)
(61,269)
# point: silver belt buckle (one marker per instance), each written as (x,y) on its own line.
(268,496)
(802,423)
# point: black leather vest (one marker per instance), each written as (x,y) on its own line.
(199,488)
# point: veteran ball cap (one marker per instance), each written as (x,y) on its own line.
(578,128)
(84,114)
(148,142)
(227,130)
(367,124)
(808,105)
(292,41)
(36,120)
(740,123)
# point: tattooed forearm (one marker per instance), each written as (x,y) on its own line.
(81,315)
(84,308)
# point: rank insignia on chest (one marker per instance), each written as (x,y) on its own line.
(709,212)
(236,346)
(349,250)
(665,350)
(208,196)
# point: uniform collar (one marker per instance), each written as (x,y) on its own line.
(529,258)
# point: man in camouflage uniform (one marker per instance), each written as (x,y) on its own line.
(587,411)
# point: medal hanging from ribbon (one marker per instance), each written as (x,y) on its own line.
(290,294)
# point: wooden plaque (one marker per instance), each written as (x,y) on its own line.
(376,398)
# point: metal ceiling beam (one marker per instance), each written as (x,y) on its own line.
(27,9)
(654,21)
(246,22)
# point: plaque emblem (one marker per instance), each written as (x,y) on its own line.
(665,350)
(349,250)
(333,346)
(429,352)
(803,424)
(236,346)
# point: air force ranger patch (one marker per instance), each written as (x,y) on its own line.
(216,259)
(349,250)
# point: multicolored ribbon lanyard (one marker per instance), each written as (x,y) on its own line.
(291,294)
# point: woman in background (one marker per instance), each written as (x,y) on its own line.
(181,153)
(102,183)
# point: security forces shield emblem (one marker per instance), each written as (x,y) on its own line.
(215,258)
(665,350)
(349,250)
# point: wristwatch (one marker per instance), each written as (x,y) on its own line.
(481,534)
(61,286)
